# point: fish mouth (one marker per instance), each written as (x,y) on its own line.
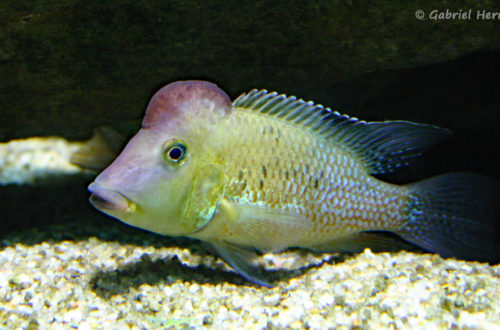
(109,200)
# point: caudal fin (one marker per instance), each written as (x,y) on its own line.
(100,151)
(455,215)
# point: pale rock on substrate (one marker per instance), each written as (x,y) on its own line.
(26,160)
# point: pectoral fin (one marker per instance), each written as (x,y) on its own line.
(206,191)
(241,260)
(270,229)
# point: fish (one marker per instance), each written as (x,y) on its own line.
(269,171)
(99,151)
(96,153)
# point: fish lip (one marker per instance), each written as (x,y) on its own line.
(107,199)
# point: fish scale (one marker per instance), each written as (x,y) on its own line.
(340,204)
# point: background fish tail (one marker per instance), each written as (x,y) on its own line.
(455,215)
(100,151)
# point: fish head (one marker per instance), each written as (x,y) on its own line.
(151,184)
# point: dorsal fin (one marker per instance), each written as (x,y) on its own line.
(381,146)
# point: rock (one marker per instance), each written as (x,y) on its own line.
(68,67)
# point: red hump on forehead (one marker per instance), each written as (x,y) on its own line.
(194,96)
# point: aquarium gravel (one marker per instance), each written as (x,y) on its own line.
(91,283)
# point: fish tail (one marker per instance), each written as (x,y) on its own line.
(98,152)
(455,215)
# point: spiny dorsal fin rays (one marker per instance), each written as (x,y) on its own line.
(382,146)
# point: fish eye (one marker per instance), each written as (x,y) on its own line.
(175,152)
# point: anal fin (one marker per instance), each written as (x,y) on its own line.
(377,241)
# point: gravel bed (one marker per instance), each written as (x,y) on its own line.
(94,283)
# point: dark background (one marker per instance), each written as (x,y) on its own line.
(67,67)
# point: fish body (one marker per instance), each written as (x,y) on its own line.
(272,165)
(269,172)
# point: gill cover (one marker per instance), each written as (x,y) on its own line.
(206,191)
